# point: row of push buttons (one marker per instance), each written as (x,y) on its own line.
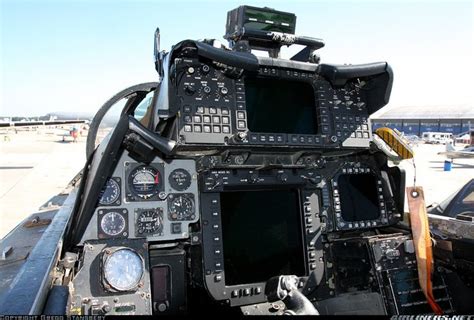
(287,73)
(206,129)
(246,292)
(353,126)
(216,240)
(206,110)
(206,119)
(281,139)
(308,212)
(241,120)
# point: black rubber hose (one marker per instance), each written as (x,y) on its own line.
(95,123)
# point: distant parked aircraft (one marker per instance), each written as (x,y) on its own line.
(50,122)
(452,153)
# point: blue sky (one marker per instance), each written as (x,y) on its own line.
(74,55)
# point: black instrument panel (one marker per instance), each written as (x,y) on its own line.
(275,106)
(243,208)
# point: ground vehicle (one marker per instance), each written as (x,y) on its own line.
(437,137)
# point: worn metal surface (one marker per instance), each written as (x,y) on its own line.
(21,241)
(28,290)
(452,228)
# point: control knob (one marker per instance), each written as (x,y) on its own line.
(189,90)
(206,89)
(239,137)
(190,70)
(224,91)
(205,69)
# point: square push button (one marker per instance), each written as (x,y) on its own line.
(200,110)
(176,227)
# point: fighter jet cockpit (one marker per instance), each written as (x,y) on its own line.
(241,184)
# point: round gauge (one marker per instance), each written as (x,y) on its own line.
(180,179)
(112,223)
(145,181)
(110,193)
(181,207)
(123,269)
(149,221)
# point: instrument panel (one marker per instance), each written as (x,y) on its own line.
(156,201)
(274,106)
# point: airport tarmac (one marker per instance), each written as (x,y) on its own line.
(34,166)
(437,184)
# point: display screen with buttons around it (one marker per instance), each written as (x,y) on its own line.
(256,235)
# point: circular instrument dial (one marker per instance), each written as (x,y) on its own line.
(110,193)
(181,207)
(179,179)
(145,182)
(123,269)
(112,223)
(149,221)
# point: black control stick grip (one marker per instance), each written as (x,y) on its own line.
(285,288)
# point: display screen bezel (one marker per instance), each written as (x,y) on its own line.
(372,187)
(298,226)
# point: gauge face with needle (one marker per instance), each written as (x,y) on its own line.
(110,194)
(181,207)
(112,224)
(145,182)
(123,269)
(149,221)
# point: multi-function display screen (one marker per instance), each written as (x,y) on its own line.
(262,235)
(359,198)
(280,106)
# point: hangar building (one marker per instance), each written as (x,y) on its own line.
(416,120)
